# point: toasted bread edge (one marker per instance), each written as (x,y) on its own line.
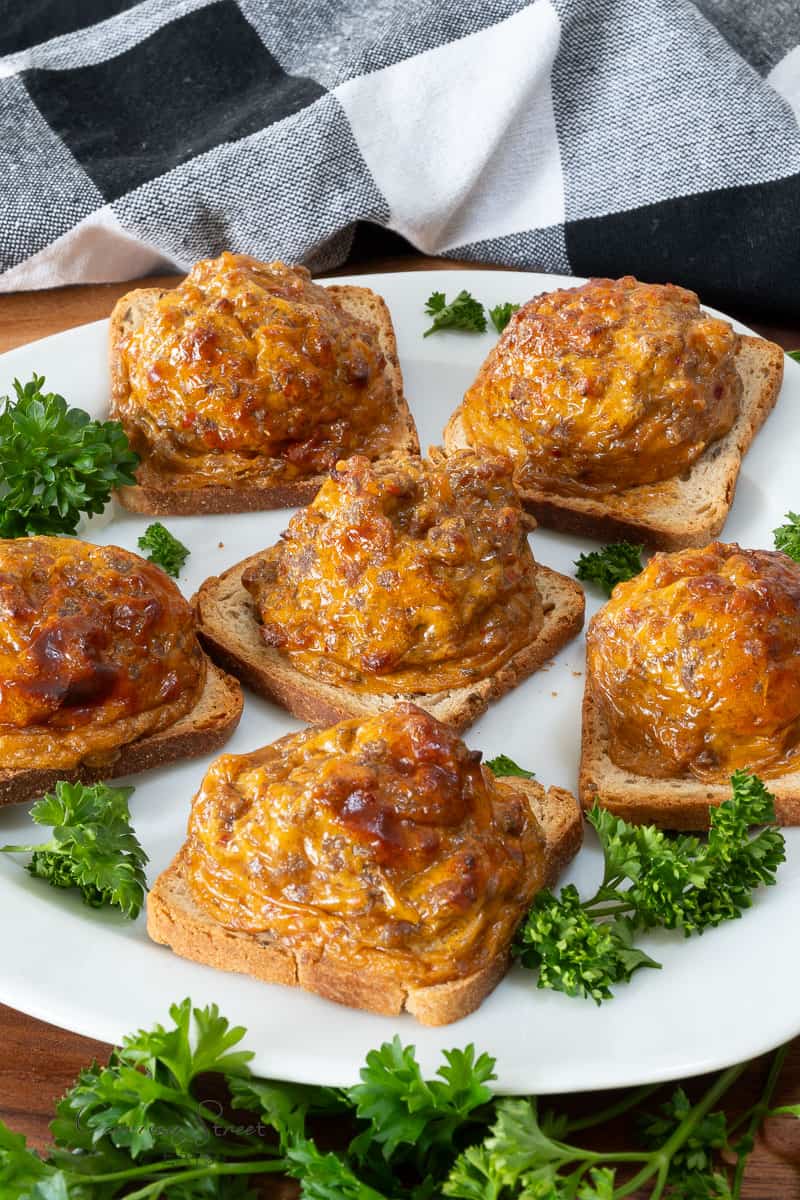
(174,920)
(204,729)
(676,804)
(158,496)
(654,515)
(229,631)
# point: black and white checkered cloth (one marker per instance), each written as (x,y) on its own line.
(658,137)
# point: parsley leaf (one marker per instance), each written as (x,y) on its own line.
(613,564)
(501,314)
(284,1106)
(473,1176)
(139,1127)
(573,952)
(93,847)
(21,1171)
(164,548)
(795,354)
(141,1102)
(326,1176)
(502,765)
(651,880)
(56,462)
(465,312)
(787,537)
(184,1057)
(696,1155)
(407,1113)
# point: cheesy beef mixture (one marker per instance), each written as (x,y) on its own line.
(605,386)
(405,574)
(695,664)
(248,370)
(384,841)
(97,648)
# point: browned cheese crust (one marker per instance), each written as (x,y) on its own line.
(176,921)
(201,731)
(686,511)
(156,495)
(228,628)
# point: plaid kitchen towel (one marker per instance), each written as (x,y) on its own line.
(658,137)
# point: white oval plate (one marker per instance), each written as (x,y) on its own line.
(719,999)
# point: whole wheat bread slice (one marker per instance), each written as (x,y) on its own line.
(205,728)
(689,510)
(163,494)
(668,803)
(228,628)
(176,921)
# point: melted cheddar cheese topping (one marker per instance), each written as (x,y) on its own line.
(248,370)
(382,840)
(405,574)
(97,648)
(606,386)
(695,664)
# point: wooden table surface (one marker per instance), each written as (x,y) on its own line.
(38,1061)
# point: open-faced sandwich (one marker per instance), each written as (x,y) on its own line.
(693,672)
(404,579)
(240,388)
(101,673)
(626,409)
(375,862)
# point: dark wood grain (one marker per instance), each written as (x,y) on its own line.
(38,1061)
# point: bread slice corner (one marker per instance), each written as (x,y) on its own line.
(175,920)
(162,494)
(228,628)
(204,729)
(689,510)
(679,804)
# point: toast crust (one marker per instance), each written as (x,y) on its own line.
(204,729)
(161,494)
(228,629)
(174,920)
(681,803)
(677,513)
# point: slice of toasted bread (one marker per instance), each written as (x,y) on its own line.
(164,494)
(689,510)
(175,920)
(205,728)
(681,804)
(229,630)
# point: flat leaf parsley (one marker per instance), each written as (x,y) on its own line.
(164,549)
(56,462)
(139,1127)
(465,312)
(93,847)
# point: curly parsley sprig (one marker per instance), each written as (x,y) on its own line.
(787,537)
(164,548)
(651,880)
(56,463)
(93,847)
(464,312)
(615,563)
(501,314)
(503,766)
